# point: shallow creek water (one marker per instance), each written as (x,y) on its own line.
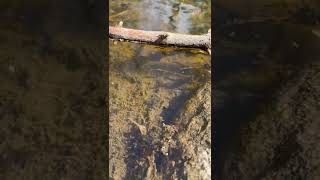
(149,85)
(256,51)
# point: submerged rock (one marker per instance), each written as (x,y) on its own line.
(195,134)
(179,148)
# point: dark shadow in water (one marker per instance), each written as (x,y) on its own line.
(138,149)
(170,113)
(165,167)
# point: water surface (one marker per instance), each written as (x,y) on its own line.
(149,84)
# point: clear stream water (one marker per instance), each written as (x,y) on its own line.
(177,66)
(251,59)
(176,73)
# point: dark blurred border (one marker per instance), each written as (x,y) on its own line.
(53,97)
(266,129)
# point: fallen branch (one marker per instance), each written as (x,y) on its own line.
(161,38)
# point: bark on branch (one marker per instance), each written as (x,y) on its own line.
(161,38)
